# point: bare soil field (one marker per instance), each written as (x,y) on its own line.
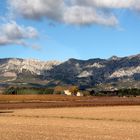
(82,123)
(54,101)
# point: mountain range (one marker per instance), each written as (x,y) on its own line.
(112,73)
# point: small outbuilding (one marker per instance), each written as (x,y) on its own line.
(79,94)
(67,92)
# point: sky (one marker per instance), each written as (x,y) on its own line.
(63,29)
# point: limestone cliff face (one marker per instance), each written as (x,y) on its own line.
(13,67)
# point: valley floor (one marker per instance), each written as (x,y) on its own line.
(82,123)
(55,101)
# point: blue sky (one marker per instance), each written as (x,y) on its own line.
(57,40)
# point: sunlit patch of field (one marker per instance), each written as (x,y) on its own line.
(31,98)
(83,123)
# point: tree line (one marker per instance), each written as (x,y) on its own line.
(120,93)
(60,90)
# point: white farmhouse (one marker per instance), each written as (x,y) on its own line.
(67,92)
(79,94)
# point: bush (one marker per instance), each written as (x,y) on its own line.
(11,90)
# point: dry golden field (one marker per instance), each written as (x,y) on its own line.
(82,123)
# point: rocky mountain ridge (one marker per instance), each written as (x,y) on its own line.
(83,73)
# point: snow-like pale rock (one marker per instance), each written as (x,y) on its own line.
(125,72)
(85,74)
(34,66)
(95,65)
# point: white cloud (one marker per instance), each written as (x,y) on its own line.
(61,11)
(77,12)
(105,3)
(136,5)
(12,33)
(37,9)
(80,15)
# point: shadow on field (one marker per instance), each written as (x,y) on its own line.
(6,111)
